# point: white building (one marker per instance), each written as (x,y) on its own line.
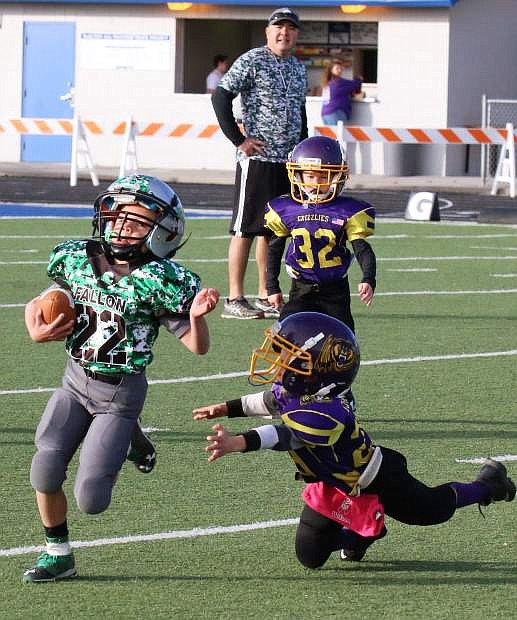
(427,64)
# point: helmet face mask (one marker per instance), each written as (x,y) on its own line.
(308,353)
(325,158)
(161,230)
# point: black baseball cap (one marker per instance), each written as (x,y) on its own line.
(284,14)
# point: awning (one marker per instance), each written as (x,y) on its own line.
(271,3)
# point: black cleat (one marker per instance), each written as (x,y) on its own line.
(358,545)
(493,474)
(141,451)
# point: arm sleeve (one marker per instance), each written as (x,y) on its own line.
(305,131)
(278,438)
(261,404)
(366,258)
(178,324)
(222,104)
(275,253)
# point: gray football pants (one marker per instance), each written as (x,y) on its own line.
(101,416)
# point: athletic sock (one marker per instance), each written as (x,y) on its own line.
(57,531)
(470,493)
(56,540)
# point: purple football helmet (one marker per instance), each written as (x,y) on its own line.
(308,353)
(324,162)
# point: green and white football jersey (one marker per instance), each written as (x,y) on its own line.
(119,307)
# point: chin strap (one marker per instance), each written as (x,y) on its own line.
(314,198)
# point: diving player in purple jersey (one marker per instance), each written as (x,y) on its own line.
(351,482)
(319,223)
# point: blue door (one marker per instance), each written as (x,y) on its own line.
(48,73)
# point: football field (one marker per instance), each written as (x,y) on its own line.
(198,540)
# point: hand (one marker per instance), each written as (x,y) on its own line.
(365,293)
(276,300)
(209,412)
(39,331)
(204,302)
(223,443)
(252,146)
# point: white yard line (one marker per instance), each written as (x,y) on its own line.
(492,248)
(194,533)
(481,459)
(153,429)
(415,269)
(232,375)
(426,293)
(379,259)
(198,531)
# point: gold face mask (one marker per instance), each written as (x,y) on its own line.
(335,177)
(276,354)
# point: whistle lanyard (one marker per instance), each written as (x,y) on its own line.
(281,73)
(278,66)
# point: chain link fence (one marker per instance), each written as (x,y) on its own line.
(495,113)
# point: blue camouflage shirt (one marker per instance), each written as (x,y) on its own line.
(273,91)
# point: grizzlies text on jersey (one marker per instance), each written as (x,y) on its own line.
(317,251)
(118,307)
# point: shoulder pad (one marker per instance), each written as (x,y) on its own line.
(313,426)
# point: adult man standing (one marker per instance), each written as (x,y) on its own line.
(273,86)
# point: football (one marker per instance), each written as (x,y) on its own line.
(56,301)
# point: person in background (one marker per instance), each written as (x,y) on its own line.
(221,65)
(337,93)
(351,481)
(273,86)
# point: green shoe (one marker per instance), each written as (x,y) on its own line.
(51,568)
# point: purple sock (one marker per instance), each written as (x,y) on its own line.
(471,493)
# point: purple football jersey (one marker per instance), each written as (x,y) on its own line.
(335,449)
(317,251)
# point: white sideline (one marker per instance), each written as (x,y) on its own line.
(194,533)
(231,375)
(377,237)
(379,259)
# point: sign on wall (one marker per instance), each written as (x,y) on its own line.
(139,52)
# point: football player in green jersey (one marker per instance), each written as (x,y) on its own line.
(125,286)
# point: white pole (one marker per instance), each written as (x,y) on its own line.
(341,137)
(505,172)
(510,141)
(129,162)
(73,161)
(483,146)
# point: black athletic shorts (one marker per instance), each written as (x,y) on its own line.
(256,183)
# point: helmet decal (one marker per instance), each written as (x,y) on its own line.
(336,354)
